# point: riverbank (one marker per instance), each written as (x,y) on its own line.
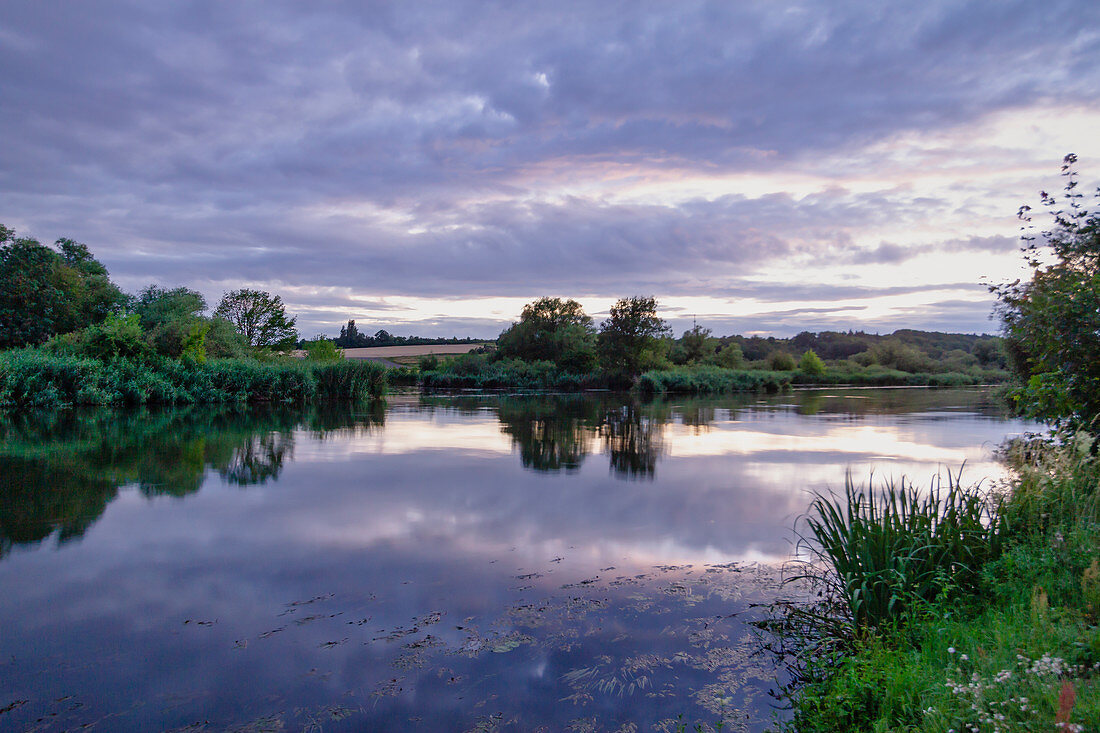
(36,379)
(478,371)
(1013,645)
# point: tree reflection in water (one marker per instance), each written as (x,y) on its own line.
(555,434)
(62,469)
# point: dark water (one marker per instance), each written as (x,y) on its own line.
(473,563)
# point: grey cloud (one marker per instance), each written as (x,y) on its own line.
(199,142)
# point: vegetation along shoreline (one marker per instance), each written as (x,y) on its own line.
(972,608)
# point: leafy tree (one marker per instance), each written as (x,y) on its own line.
(1051,322)
(43,293)
(171,319)
(781,361)
(730,356)
(811,363)
(697,344)
(259,317)
(634,338)
(116,336)
(551,329)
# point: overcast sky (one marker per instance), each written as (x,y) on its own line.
(430,167)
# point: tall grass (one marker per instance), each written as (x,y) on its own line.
(34,379)
(711,379)
(477,371)
(893,549)
(877,376)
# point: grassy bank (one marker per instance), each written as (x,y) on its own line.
(478,371)
(951,613)
(35,379)
(711,380)
(705,379)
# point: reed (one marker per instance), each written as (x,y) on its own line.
(36,379)
(890,550)
(711,379)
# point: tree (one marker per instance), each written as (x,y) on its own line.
(44,293)
(172,320)
(633,339)
(781,361)
(697,344)
(1051,323)
(811,363)
(552,329)
(259,317)
(730,357)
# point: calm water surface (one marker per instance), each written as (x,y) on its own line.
(449,563)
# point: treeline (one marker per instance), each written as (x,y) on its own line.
(905,349)
(351,338)
(71,336)
(556,345)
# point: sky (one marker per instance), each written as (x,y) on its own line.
(430,167)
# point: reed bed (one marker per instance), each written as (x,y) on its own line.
(33,379)
(896,547)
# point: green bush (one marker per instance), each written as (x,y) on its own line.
(811,364)
(322,349)
(781,361)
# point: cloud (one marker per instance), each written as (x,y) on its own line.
(460,149)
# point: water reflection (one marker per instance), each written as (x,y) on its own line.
(430,563)
(61,470)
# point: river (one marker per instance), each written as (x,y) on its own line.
(430,563)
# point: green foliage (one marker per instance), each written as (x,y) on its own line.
(478,371)
(169,318)
(193,348)
(116,336)
(223,341)
(632,340)
(811,364)
(710,380)
(994,656)
(781,361)
(552,329)
(730,356)
(1052,321)
(901,547)
(38,379)
(349,379)
(259,317)
(322,349)
(697,345)
(428,363)
(44,293)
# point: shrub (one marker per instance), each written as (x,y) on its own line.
(730,357)
(780,361)
(321,349)
(811,364)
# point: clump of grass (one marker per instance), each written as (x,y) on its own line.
(888,550)
(710,380)
(1010,642)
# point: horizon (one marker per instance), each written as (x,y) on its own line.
(763,168)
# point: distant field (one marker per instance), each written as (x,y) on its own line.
(408,354)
